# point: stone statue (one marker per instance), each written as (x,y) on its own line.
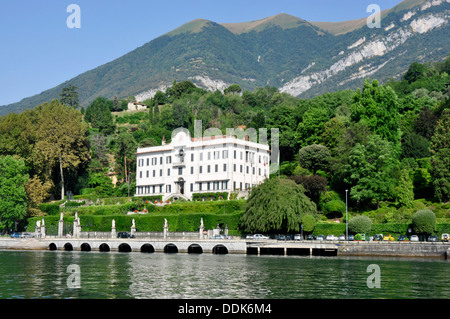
(113,223)
(165,223)
(133,223)
(38,224)
(61,218)
(43,222)
(201,223)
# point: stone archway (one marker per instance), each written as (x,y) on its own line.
(147,248)
(124,248)
(171,248)
(52,246)
(104,248)
(68,247)
(195,249)
(220,250)
(85,247)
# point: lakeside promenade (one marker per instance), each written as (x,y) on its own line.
(235,246)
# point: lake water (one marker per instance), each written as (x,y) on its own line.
(44,274)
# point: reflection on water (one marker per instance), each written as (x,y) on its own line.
(43,274)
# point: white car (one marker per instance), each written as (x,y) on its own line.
(331,237)
(257,236)
(414,238)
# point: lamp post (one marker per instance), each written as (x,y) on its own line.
(346,215)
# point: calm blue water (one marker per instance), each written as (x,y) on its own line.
(43,274)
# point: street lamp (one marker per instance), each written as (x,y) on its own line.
(346,215)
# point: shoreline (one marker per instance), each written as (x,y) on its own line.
(239,246)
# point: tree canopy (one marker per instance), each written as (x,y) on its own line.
(276,205)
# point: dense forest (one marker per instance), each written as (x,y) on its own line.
(386,144)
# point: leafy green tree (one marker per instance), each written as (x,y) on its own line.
(98,113)
(371,170)
(233,89)
(415,146)
(440,150)
(284,118)
(315,157)
(377,106)
(125,152)
(425,123)
(360,224)
(308,222)
(334,208)
(311,128)
(18,134)
(13,198)
(332,134)
(69,96)
(37,192)
(314,185)
(61,141)
(415,72)
(424,221)
(276,205)
(405,190)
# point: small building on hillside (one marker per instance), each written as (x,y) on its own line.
(135,106)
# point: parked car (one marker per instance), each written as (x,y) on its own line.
(15,235)
(27,235)
(280,237)
(341,237)
(414,238)
(257,236)
(320,237)
(445,237)
(388,238)
(403,238)
(378,237)
(331,237)
(125,235)
(433,239)
(297,237)
(351,238)
(310,237)
(217,237)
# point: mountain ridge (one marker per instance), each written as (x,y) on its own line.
(292,54)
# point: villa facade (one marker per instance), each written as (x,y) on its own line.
(188,166)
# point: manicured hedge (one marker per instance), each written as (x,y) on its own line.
(150,223)
(49,208)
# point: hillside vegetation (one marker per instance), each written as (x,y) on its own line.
(388,145)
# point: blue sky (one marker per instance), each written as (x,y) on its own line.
(38,50)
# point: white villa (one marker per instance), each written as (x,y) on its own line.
(188,166)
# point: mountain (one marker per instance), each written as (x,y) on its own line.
(299,57)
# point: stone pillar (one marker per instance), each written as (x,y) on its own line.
(37,229)
(75,225)
(113,229)
(226,230)
(201,229)
(133,227)
(78,228)
(43,229)
(61,226)
(166,229)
